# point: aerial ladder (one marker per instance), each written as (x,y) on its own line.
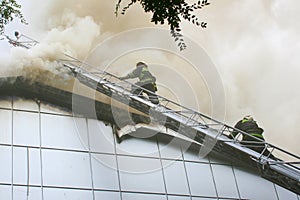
(210,134)
(21,41)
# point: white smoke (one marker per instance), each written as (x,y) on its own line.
(67,33)
(254,45)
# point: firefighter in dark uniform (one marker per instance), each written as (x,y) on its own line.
(249,125)
(146,81)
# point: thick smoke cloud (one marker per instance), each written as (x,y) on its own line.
(66,33)
(70,27)
(254,45)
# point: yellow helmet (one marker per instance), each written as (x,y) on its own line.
(141,63)
(249,117)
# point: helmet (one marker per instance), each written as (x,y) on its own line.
(249,117)
(140,63)
(17,34)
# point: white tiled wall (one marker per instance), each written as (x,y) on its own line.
(141,174)
(102,195)
(138,147)
(66,169)
(53,193)
(6,126)
(201,179)
(5,192)
(26,128)
(225,181)
(47,154)
(64,132)
(105,173)
(248,183)
(6,164)
(26,166)
(100,137)
(175,177)
(130,196)
(31,193)
(285,194)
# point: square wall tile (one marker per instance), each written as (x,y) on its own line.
(103,195)
(67,194)
(6,164)
(138,147)
(141,174)
(200,179)
(225,181)
(179,198)
(20,171)
(31,193)
(67,169)
(26,166)
(5,192)
(284,194)
(64,132)
(101,137)
(192,153)
(131,196)
(26,128)
(175,177)
(6,126)
(248,182)
(105,172)
(170,147)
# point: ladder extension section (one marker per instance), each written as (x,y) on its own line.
(21,41)
(195,125)
(210,133)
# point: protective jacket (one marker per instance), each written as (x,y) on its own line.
(143,74)
(250,127)
(146,81)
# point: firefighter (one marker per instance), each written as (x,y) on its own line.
(146,81)
(249,125)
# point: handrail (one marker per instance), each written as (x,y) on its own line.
(191,116)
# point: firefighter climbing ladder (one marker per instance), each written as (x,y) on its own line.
(211,134)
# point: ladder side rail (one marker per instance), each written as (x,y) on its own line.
(30,40)
(104,80)
(102,73)
(267,145)
(260,141)
(28,43)
(70,62)
(185,109)
(195,113)
(187,113)
(289,163)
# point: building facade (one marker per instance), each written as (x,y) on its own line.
(47,153)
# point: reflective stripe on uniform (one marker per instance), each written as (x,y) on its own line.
(143,76)
(257,135)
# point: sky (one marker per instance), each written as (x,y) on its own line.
(253,46)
